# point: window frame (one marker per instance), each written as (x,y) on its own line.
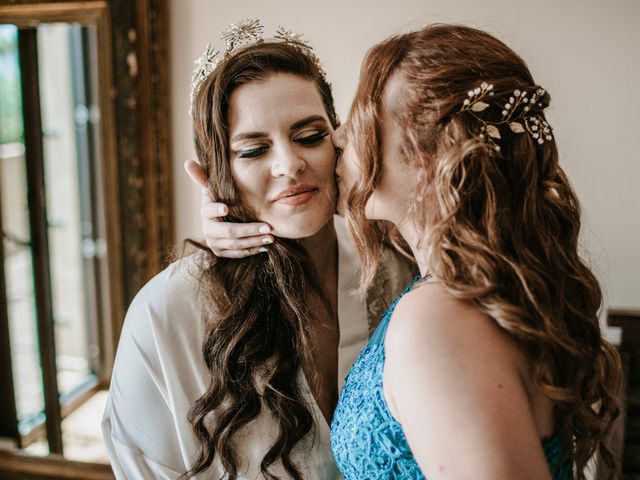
(135,168)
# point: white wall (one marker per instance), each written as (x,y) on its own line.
(585,52)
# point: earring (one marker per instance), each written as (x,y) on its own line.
(414,204)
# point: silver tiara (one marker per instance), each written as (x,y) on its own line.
(236,36)
(518,113)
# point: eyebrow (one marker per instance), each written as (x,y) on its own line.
(248,136)
(295,126)
(306,121)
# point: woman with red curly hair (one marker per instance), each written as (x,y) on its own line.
(491,365)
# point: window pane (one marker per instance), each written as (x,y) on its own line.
(18,269)
(70,125)
(62,160)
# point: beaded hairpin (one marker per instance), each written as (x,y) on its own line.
(516,114)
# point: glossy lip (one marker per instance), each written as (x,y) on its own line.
(287,194)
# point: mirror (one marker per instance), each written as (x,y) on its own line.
(76,184)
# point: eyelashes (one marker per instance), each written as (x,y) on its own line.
(306,141)
(252,152)
(312,139)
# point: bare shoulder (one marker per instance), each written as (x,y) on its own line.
(431,325)
(456,382)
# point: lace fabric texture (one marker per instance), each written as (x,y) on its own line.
(367,442)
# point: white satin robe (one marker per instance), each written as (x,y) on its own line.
(159,372)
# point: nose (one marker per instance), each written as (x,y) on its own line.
(339,137)
(287,162)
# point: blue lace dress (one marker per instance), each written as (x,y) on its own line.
(367,442)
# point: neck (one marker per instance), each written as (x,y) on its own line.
(322,248)
(412,236)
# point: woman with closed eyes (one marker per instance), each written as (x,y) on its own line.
(230,367)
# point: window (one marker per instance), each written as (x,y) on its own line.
(76,183)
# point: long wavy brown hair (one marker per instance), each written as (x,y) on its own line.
(256,309)
(501,228)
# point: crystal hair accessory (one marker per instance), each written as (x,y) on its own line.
(241,34)
(517,114)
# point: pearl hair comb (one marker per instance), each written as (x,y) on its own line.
(518,114)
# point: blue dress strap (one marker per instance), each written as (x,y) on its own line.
(381,331)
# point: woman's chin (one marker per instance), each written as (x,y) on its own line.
(299,229)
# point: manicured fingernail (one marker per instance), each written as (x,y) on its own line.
(222,209)
(262,249)
(267,240)
(264,229)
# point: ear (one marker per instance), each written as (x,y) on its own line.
(196,173)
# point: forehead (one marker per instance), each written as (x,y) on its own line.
(391,102)
(277,100)
(393,96)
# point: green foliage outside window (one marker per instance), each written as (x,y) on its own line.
(10,103)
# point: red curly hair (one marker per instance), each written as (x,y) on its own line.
(501,228)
